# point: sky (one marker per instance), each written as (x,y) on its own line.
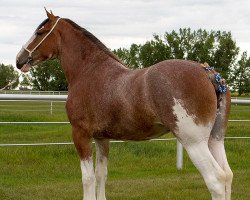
(119,23)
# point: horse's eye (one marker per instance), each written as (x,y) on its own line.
(39,33)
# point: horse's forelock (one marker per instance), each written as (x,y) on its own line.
(42,24)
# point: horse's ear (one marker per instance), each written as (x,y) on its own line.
(50,15)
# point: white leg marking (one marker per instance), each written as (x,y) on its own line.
(194,138)
(101,177)
(212,173)
(187,130)
(218,151)
(88,179)
(101,171)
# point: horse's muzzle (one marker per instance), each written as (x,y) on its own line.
(24,66)
(19,65)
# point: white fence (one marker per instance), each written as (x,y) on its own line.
(34,92)
(62,98)
(31,97)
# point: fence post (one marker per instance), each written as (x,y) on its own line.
(179,156)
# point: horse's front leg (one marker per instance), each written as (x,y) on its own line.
(83,144)
(102,151)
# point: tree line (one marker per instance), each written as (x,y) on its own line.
(217,48)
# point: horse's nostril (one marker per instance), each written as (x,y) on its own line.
(17,61)
(18,65)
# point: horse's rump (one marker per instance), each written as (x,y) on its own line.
(186,82)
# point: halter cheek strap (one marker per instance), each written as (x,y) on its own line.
(31,51)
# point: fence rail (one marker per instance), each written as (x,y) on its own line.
(243,120)
(112,141)
(42,97)
(62,98)
(31,97)
(35,92)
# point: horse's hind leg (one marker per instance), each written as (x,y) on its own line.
(212,173)
(216,142)
(218,151)
(194,138)
(102,151)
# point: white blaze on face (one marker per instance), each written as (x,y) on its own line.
(30,40)
(187,130)
(26,66)
(26,45)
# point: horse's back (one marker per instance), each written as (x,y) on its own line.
(185,82)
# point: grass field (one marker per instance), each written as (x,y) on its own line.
(137,170)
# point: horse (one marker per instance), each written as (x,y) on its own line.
(107,100)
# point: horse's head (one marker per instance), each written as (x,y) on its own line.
(42,45)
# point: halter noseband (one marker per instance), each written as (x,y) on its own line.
(31,51)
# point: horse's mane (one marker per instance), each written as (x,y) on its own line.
(94,40)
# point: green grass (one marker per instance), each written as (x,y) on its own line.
(137,170)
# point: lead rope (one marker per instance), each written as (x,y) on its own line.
(10,83)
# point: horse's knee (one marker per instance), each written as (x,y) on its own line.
(101,173)
(88,180)
(100,178)
(88,176)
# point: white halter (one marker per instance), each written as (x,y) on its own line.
(31,51)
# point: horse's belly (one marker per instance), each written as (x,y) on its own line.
(156,130)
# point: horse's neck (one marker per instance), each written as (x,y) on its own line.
(79,56)
(74,53)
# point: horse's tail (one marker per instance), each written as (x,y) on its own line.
(222,115)
(223,102)
(218,82)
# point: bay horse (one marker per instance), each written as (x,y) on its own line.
(106,100)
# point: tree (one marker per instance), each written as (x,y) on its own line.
(129,57)
(153,51)
(226,53)
(214,47)
(48,76)
(240,77)
(26,82)
(9,78)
